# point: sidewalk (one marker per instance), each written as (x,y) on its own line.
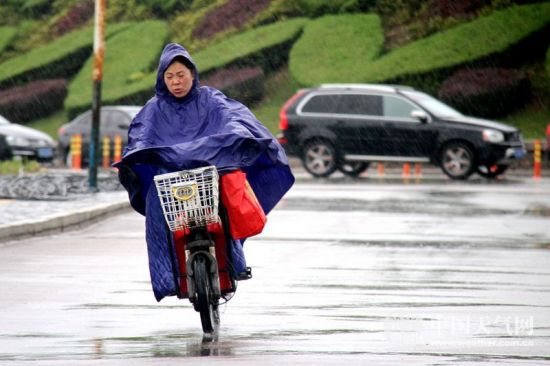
(25,218)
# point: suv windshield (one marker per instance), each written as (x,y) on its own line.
(433,105)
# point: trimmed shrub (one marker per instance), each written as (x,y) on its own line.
(487,92)
(164,8)
(130,56)
(232,14)
(448,8)
(35,100)
(245,85)
(495,34)
(336,48)
(60,58)
(77,15)
(316,8)
(182,25)
(36,8)
(7,34)
(265,46)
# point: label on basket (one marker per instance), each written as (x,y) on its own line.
(185,191)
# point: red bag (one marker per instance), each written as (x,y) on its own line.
(246,216)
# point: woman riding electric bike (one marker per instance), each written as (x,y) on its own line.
(184,127)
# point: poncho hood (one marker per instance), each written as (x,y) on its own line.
(203,128)
(170,52)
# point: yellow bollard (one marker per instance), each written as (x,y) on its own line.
(106,149)
(537,160)
(76,151)
(117,153)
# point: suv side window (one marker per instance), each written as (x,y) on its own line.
(395,107)
(362,104)
(323,103)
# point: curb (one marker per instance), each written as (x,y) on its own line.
(61,222)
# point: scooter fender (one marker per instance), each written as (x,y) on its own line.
(212,268)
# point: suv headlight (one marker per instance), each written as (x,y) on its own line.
(493,136)
(17,141)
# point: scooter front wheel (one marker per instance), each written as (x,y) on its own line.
(207,303)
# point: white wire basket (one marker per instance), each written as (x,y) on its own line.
(189,198)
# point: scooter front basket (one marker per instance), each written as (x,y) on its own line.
(189,198)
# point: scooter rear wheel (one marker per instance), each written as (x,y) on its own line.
(207,303)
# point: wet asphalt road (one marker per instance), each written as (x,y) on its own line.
(347,272)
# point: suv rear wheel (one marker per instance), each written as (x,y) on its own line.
(457,160)
(320,158)
(353,169)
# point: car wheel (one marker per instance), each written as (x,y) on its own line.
(320,158)
(353,169)
(457,160)
(491,172)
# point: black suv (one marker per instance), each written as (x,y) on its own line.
(347,126)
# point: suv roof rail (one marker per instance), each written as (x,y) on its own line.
(380,87)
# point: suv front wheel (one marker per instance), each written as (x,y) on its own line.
(457,160)
(320,158)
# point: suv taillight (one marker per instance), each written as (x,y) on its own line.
(283,118)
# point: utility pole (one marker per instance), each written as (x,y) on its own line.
(99,51)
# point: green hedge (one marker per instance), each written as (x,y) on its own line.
(336,48)
(467,42)
(129,58)
(486,92)
(60,58)
(6,36)
(37,99)
(250,43)
(548,62)
(247,85)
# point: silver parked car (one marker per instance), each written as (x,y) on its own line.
(26,142)
(115,120)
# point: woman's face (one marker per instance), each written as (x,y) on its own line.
(178,79)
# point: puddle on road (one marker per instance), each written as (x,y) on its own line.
(537,210)
(447,208)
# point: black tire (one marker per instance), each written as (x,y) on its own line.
(457,160)
(491,172)
(207,304)
(353,169)
(320,158)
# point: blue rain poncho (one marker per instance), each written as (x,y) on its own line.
(203,128)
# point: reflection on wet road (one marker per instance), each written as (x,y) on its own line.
(345,274)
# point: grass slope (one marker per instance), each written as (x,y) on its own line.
(6,36)
(247,43)
(336,48)
(60,51)
(129,57)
